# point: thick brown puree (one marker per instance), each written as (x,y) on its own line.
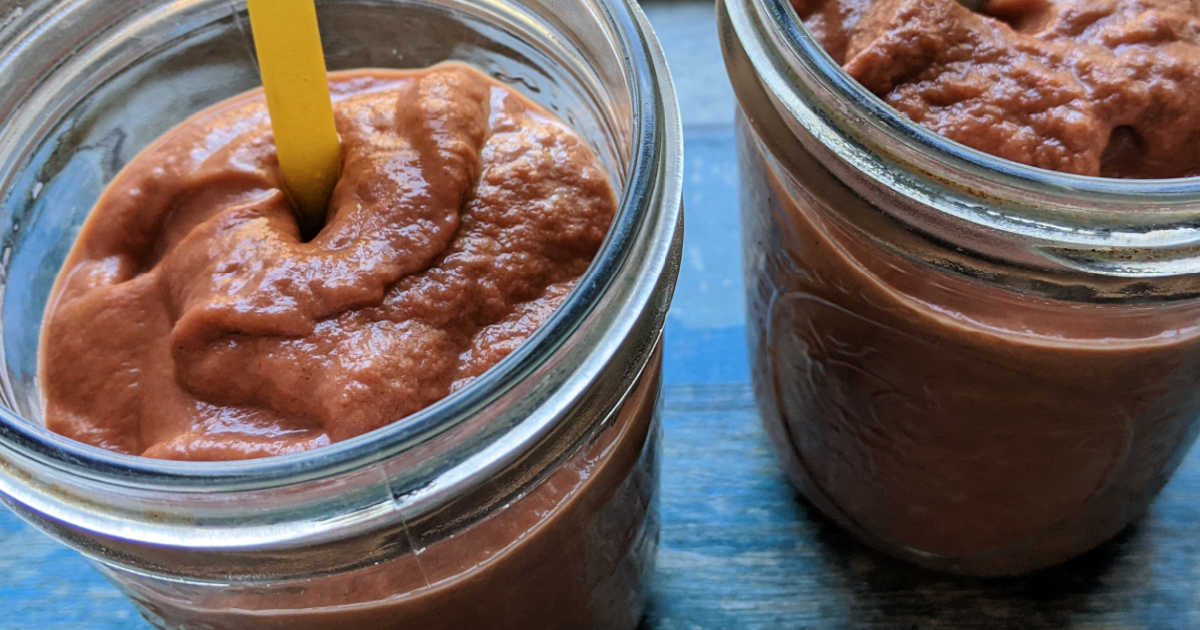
(1094,87)
(943,420)
(190,321)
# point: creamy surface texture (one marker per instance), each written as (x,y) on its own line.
(192,321)
(1093,87)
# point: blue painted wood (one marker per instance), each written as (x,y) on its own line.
(739,550)
(706,329)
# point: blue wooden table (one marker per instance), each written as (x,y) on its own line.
(739,550)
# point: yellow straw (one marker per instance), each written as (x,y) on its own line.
(293,73)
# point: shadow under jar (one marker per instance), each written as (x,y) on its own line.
(971,364)
(527,499)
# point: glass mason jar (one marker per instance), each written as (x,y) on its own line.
(526,499)
(975,365)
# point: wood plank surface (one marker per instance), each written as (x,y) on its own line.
(739,550)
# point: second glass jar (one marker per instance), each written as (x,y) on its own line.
(974,365)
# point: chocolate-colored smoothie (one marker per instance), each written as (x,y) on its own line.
(1094,87)
(940,418)
(946,421)
(192,321)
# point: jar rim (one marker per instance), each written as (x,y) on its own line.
(653,177)
(1144,203)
